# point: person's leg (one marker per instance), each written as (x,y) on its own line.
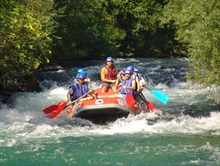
(114,88)
(117,95)
(118,80)
(105,87)
(123,96)
(72,108)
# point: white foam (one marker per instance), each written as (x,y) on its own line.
(58,91)
(24,119)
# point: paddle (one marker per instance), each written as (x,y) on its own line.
(129,99)
(159,95)
(54,113)
(148,104)
(54,110)
(50,109)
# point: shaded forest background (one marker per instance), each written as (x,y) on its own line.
(34,33)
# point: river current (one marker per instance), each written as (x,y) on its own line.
(187,132)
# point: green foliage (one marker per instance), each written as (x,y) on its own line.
(197,24)
(139,20)
(197,28)
(24,40)
(84,31)
(89,29)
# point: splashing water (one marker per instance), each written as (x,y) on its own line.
(185,133)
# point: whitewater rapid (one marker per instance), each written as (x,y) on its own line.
(188,110)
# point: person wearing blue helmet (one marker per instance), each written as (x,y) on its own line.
(122,72)
(140,78)
(142,102)
(127,86)
(136,77)
(79,71)
(135,68)
(108,75)
(131,68)
(109,59)
(79,88)
(133,77)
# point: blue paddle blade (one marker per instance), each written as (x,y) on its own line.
(160,96)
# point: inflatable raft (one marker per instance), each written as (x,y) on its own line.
(103,109)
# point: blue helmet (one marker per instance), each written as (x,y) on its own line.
(79,71)
(109,59)
(127,71)
(135,68)
(82,75)
(131,68)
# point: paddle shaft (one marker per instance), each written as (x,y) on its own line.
(148,88)
(142,97)
(148,104)
(77,99)
(61,107)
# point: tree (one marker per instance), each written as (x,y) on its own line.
(197,24)
(24,41)
(85,31)
(91,29)
(139,20)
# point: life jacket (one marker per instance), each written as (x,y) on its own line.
(78,90)
(133,76)
(141,79)
(139,76)
(111,73)
(126,83)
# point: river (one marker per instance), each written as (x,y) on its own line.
(186,133)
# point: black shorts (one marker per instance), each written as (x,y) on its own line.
(108,84)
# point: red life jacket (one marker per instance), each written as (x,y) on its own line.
(111,73)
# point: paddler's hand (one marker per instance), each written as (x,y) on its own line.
(69,102)
(87,80)
(91,91)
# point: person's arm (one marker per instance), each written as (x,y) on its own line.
(68,98)
(120,77)
(120,73)
(69,95)
(143,81)
(138,83)
(91,95)
(103,72)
